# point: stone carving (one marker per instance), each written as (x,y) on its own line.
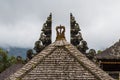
(45,39)
(92,55)
(76,36)
(75,40)
(45,36)
(79,36)
(38,46)
(82,47)
(60,33)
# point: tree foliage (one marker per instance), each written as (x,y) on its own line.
(6,61)
(99,51)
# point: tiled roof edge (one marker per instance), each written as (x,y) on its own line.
(31,64)
(89,65)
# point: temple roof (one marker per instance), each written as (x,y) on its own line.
(60,61)
(112,52)
(12,69)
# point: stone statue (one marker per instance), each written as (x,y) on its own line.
(83,47)
(38,46)
(91,54)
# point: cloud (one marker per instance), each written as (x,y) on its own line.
(22,20)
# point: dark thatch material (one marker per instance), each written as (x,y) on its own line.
(60,61)
(112,52)
(12,69)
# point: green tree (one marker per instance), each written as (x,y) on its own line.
(12,60)
(99,51)
(5,60)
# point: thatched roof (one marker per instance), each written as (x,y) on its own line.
(12,69)
(60,61)
(112,52)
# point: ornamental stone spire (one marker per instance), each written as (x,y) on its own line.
(76,36)
(60,30)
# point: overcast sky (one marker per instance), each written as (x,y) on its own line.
(21,20)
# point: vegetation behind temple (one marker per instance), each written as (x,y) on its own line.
(6,60)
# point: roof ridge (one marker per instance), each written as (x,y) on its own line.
(32,63)
(86,63)
(82,59)
(108,53)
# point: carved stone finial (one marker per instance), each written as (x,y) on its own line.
(60,33)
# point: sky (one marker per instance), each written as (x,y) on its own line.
(21,21)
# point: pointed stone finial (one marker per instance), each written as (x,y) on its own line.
(50,14)
(70,14)
(60,33)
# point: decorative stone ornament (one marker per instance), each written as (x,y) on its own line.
(60,33)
